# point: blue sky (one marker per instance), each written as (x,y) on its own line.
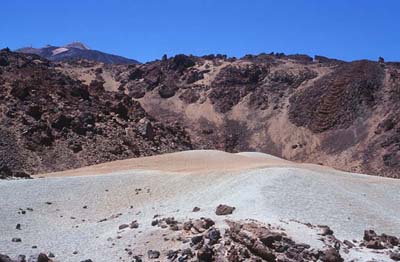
(145,30)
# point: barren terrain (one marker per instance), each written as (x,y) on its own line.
(77,214)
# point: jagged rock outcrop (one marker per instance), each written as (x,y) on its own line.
(321,110)
(51,122)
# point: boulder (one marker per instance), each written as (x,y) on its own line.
(331,255)
(223,210)
(205,254)
(4,258)
(43,258)
(145,128)
(19,90)
(167,91)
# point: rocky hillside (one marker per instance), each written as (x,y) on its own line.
(76,51)
(59,115)
(321,110)
(49,121)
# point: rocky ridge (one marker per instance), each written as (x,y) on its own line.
(50,121)
(336,113)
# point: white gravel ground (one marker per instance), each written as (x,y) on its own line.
(348,203)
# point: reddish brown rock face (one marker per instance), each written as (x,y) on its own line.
(325,111)
(51,122)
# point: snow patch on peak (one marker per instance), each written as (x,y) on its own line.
(77,45)
(59,50)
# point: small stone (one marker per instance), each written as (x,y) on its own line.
(187,252)
(51,255)
(75,252)
(171,254)
(326,231)
(123,226)
(187,225)
(174,227)
(348,244)
(134,224)
(16,239)
(18,227)
(49,203)
(153,254)
(196,209)
(84,207)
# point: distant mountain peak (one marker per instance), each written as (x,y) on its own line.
(74,51)
(78,45)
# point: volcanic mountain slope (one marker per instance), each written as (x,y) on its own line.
(49,121)
(336,113)
(76,51)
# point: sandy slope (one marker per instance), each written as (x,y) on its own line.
(195,161)
(259,186)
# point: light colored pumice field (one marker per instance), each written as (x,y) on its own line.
(70,208)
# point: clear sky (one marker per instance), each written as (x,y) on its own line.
(146,29)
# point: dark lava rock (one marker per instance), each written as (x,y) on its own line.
(145,129)
(369,235)
(269,238)
(16,239)
(374,244)
(19,90)
(43,258)
(348,243)
(196,209)
(325,231)
(4,258)
(167,91)
(134,224)
(259,249)
(205,254)
(187,225)
(331,255)
(172,254)
(214,235)
(223,210)
(153,254)
(196,239)
(181,62)
(395,256)
(123,226)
